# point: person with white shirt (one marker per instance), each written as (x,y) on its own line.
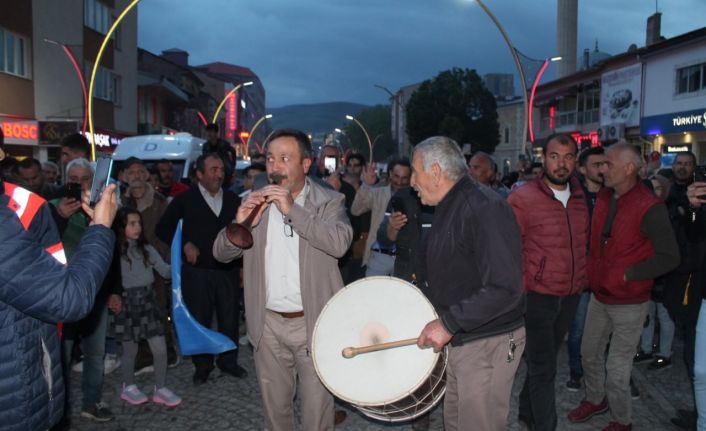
(207,284)
(553,216)
(300,231)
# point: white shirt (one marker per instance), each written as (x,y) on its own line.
(282,283)
(214,202)
(562,195)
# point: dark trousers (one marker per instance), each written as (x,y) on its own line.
(205,291)
(547,320)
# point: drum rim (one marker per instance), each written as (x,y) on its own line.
(318,321)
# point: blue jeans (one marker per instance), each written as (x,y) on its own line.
(576,334)
(658,311)
(700,368)
(93,348)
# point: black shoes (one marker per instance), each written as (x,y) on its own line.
(200,378)
(236,371)
(660,363)
(574,383)
(641,356)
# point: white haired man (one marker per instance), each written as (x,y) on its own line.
(472,274)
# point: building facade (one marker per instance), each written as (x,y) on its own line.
(45,44)
(674,86)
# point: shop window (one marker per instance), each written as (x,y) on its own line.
(691,79)
(14,55)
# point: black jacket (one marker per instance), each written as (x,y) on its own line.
(201,225)
(473,258)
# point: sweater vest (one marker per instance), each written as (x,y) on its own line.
(624,246)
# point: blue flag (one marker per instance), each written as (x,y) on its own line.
(193,338)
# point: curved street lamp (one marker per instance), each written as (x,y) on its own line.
(252,131)
(81,79)
(532,91)
(367,136)
(520,71)
(95,71)
(230,93)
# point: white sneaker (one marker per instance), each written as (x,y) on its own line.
(77,367)
(110,363)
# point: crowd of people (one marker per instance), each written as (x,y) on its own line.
(598,247)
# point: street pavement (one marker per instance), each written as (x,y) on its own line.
(226,403)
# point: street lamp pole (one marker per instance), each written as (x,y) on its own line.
(81,79)
(230,93)
(95,71)
(252,131)
(520,71)
(367,136)
(532,91)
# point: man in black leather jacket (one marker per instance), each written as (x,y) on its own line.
(473,277)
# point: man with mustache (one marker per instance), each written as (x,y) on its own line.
(300,230)
(553,217)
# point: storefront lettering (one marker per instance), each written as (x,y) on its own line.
(678,148)
(20,130)
(103,140)
(689,120)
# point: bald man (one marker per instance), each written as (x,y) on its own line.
(632,243)
(483,169)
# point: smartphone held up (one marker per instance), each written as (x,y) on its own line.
(101,178)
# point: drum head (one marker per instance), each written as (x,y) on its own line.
(370,311)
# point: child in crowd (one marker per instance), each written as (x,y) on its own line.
(137,316)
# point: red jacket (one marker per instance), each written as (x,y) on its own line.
(626,246)
(554,238)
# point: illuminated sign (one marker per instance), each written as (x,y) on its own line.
(103,140)
(232,110)
(20,132)
(676,122)
(552,116)
(590,136)
(683,148)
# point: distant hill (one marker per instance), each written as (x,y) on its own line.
(314,118)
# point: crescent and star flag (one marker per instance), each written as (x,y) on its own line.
(193,337)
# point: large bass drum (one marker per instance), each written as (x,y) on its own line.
(391,385)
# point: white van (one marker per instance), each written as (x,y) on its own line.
(181,149)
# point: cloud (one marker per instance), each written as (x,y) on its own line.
(327,50)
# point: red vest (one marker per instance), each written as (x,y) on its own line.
(554,238)
(624,247)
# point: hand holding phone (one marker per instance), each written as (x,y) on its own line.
(330,164)
(101,178)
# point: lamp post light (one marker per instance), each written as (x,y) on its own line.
(520,71)
(96,64)
(230,93)
(254,128)
(81,79)
(367,136)
(532,91)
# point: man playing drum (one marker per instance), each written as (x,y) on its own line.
(473,276)
(300,231)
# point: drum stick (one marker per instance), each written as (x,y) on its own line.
(351,352)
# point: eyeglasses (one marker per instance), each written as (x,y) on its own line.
(288,232)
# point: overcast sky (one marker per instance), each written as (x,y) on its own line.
(309,51)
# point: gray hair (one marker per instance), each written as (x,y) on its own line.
(49,163)
(79,163)
(628,153)
(446,153)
